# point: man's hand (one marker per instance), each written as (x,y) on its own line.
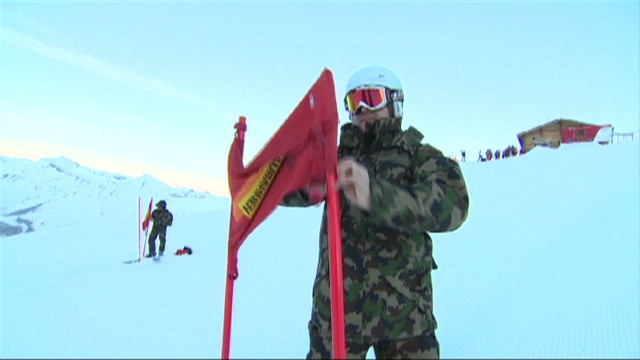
(353,179)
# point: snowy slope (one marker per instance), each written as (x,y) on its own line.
(546,266)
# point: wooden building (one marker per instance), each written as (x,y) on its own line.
(557,132)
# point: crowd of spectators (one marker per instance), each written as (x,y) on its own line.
(489,155)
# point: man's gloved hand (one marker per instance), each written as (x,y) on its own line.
(353,179)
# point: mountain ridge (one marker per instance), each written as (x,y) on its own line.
(35,194)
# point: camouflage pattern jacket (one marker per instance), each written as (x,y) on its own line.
(387,250)
(161,218)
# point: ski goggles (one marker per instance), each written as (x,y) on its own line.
(370,98)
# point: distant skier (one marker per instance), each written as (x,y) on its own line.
(161,218)
(480,157)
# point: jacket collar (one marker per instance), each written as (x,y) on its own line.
(383,131)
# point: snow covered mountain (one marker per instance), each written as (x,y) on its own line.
(46,194)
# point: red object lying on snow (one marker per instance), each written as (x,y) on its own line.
(184,251)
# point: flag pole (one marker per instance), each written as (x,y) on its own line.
(232,274)
(146,230)
(139,228)
(338,346)
(232,261)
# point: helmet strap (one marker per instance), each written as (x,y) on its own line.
(396,98)
(392,108)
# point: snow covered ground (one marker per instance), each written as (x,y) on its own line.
(546,266)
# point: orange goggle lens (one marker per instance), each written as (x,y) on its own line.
(371,98)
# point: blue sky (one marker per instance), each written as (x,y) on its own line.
(156,87)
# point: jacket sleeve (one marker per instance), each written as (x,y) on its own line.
(435,201)
(299,198)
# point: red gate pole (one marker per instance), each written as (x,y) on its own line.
(228,305)
(232,261)
(140,254)
(338,346)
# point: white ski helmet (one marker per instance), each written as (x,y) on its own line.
(378,76)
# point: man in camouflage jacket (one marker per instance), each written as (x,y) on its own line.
(395,189)
(161,218)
